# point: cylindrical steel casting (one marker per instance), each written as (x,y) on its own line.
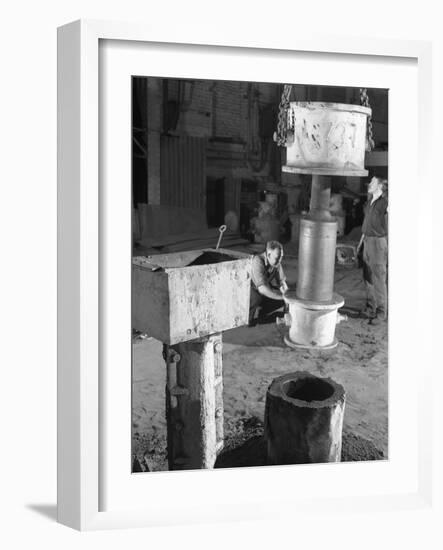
(194,403)
(295,230)
(316,255)
(329,139)
(304,419)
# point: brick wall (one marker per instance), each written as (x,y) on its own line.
(214,109)
(222,109)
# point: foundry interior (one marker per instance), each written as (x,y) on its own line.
(220,169)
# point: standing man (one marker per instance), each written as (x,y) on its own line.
(268,282)
(375,251)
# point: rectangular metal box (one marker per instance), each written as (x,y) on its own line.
(187,295)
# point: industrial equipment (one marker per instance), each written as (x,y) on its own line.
(186,300)
(324,140)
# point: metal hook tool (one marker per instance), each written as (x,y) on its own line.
(221,229)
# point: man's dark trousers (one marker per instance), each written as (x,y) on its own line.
(375,261)
(266,305)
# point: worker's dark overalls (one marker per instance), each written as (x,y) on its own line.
(262,306)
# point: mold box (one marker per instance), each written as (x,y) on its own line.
(187,295)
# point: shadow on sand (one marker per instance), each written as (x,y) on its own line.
(253,452)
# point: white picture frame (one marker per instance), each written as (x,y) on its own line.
(81,413)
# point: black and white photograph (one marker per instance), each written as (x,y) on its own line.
(224,330)
(259,274)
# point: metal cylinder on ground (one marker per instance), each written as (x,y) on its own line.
(304,419)
(312,323)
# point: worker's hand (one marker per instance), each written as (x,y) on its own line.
(284,287)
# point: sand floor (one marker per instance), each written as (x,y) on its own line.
(253,357)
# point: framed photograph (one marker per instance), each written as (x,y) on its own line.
(226,349)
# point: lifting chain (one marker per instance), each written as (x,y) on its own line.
(364,100)
(281,135)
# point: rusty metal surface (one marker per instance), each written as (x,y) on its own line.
(328,138)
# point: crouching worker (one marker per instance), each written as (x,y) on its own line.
(268,283)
